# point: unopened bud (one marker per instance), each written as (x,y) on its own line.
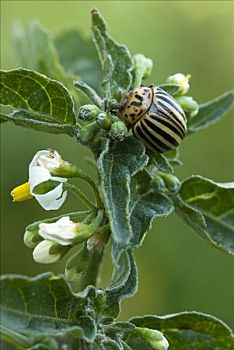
(118,130)
(182,81)
(188,104)
(31,239)
(142,68)
(171,182)
(88,112)
(155,339)
(104,120)
(158,183)
(47,252)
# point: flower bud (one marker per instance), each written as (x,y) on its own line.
(117,94)
(155,339)
(31,239)
(104,120)
(64,231)
(171,182)
(142,69)
(88,112)
(158,183)
(47,252)
(142,64)
(118,130)
(182,81)
(188,104)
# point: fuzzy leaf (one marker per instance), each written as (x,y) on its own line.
(52,311)
(124,282)
(211,111)
(169,88)
(37,52)
(161,162)
(145,205)
(215,202)
(122,62)
(190,331)
(78,55)
(42,99)
(118,162)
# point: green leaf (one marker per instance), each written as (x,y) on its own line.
(123,327)
(161,162)
(119,54)
(192,217)
(173,157)
(215,202)
(118,162)
(124,282)
(42,99)
(145,205)
(78,55)
(37,51)
(211,111)
(169,88)
(190,331)
(44,306)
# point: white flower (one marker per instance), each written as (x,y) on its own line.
(41,254)
(181,80)
(39,171)
(63,231)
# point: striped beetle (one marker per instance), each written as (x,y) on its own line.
(154,116)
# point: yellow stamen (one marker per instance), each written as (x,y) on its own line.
(21,193)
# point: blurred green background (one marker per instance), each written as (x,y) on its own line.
(177,270)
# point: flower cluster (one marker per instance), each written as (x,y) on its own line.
(51,240)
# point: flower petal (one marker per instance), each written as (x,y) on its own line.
(63,231)
(41,253)
(37,175)
(53,199)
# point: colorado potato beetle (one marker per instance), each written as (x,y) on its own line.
(155,117)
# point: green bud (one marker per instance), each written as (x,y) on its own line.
(118,93)
(88,133)
(31,239)
(112,104)
(158,183)
(188,104)
(76,264)
(182,81)
(104,120)
(155,339)
(99,300)
(171,182)
(88,112)
(118,130)
(142,68)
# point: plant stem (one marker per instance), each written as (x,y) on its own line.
(89,277)
(80,194)
(71,171)
(91,273)
(90,92)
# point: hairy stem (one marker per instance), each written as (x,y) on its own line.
(72,171)
(80,194)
